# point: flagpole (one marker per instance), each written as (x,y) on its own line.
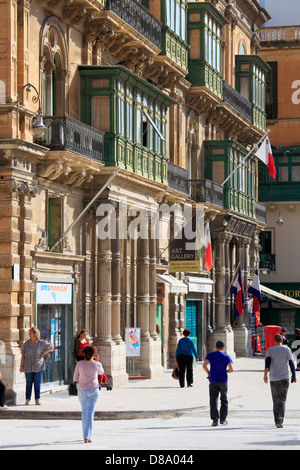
(248,154)
(233,279)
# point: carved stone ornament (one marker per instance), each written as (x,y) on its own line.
(42,243)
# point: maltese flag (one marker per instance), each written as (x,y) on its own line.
(237,289)
(265,154)
(208,253)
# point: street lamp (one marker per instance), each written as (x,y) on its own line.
(38,126)
(273,206)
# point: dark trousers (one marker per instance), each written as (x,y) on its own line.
(185,366)
(216,389)
(279,389)
(2,393)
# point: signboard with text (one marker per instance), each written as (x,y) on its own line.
(49,293)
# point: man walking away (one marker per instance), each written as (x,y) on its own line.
(279,359)
(218,382)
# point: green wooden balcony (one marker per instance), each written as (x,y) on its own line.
(205,25)
(286,186)
(132,114)
(221,158)
(174,48)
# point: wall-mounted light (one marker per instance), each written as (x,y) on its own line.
(38,126)
(273,207)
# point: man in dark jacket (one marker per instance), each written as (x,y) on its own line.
(184,356)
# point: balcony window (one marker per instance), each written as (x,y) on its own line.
(101,121)
(272,91)
(175,17)
(54,221)
(205,25)
(251,71)
(132,113)
(221,158)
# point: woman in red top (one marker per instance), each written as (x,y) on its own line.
(81,342)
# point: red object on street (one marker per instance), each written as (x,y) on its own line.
(270,332)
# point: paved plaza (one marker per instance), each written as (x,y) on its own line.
(157,415)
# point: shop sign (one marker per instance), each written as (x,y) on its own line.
(53,293)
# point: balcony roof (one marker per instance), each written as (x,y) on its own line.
(123,72)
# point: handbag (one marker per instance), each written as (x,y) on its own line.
(175,373)
(72,389)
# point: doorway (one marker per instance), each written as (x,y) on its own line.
(193,321)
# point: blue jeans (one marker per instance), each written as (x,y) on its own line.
(88,399)
(33,378)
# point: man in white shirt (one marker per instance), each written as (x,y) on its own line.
(278,361)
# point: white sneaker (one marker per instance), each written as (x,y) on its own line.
(4,407)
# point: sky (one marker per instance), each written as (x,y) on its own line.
(284,13)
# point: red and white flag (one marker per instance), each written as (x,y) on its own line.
(265,154)
(208,252)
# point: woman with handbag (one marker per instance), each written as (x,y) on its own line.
(86,375)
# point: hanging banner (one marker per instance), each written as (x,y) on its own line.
(185,248)
(133,342)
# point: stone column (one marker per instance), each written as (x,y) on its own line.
(103,340)
(143,295)
(220,282)
(119,374)
(221,330)
(87,50)
(227,240)
(49,92)
(240,328)
(85,318)
(152,286)
(116,285)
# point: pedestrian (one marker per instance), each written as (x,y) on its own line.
(220,366)
(81,341)
(296,347)
(2,395)
(278,361)
(86,376)
(184,357)
(33,363)
(283,334)
(2,386)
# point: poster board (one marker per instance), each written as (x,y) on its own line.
(133,342)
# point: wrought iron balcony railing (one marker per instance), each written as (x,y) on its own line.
(207,191)
(237,101)
(267,262)
(137,16)
(64,133)
(178,178)
(261,211)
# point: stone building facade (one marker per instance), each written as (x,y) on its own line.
(171,95)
